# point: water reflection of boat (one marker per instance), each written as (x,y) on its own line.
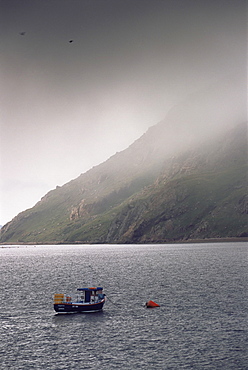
(86,300)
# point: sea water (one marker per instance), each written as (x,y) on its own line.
(201,322)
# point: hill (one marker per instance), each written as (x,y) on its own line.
(172,184)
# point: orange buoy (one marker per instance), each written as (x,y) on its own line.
(151,304)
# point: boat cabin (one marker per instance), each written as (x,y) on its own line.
(89,295)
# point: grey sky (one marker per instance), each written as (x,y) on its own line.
(66,107)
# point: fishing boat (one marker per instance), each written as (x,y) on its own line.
(86,300)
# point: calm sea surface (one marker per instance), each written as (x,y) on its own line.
(201,324)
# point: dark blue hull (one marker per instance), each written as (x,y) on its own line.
(73,307)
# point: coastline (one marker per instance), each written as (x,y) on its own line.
(188,241)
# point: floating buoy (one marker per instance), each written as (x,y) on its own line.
(151,304)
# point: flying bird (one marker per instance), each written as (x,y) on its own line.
(71,41)
(22,33)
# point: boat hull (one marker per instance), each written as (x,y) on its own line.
(74,307)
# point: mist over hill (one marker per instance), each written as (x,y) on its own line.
(185,178)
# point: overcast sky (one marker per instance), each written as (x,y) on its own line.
(67,106)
